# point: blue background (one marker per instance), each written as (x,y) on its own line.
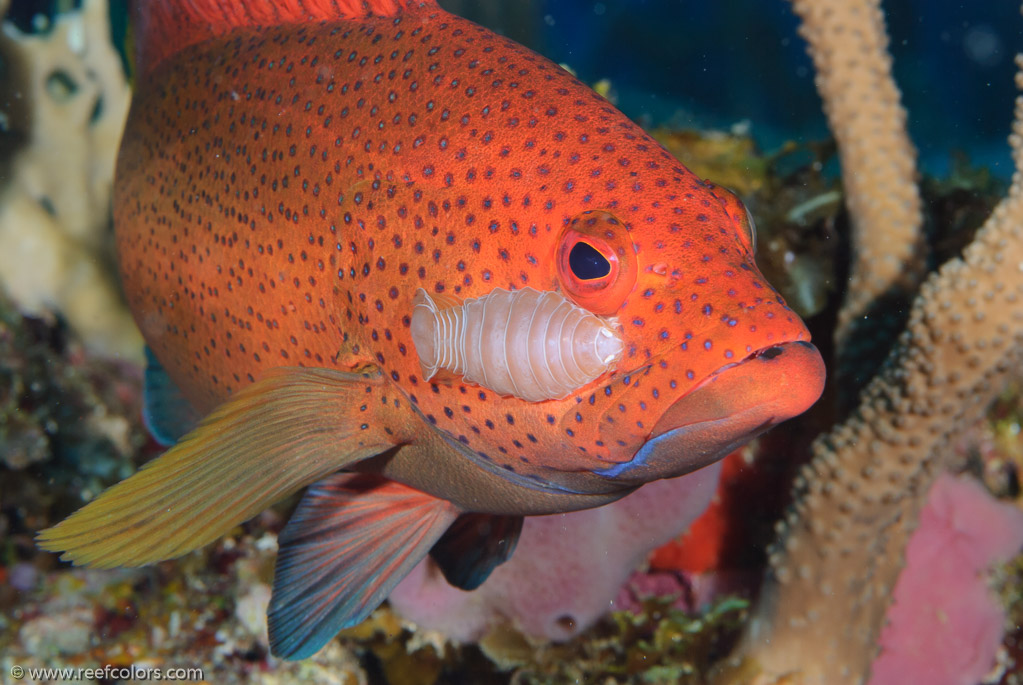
(712,64)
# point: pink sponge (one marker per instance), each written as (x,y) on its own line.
(944,626)
(567,568)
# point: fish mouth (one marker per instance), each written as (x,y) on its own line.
(728,409)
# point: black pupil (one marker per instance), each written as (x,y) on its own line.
(587,263)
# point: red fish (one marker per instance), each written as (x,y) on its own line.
(393,255)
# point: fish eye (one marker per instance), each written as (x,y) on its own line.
(596,262)
(587,263)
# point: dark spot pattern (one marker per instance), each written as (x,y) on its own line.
(287,189)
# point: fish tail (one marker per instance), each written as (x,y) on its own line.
(166,26)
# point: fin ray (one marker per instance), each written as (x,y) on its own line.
(351,540)
(290,428)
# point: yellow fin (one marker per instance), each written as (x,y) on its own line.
(290,428)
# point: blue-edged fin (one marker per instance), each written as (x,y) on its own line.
(351,540)
(474,546)
(290,428)
(165,411)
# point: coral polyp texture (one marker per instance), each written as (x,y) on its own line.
(842,544)
(849,46)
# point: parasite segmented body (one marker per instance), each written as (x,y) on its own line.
(529,344)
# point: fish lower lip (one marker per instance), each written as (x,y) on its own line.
(777,382)
(727,410)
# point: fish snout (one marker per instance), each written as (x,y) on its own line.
(728,409)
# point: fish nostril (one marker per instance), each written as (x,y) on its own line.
(771,353)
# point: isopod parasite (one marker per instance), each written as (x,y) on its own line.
(524,343)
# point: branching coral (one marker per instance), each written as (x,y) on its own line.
(849,47)
(841,546)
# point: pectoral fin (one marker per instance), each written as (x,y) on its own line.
(351,540)
(290,428)
(474,546)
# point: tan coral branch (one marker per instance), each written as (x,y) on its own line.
(841,547)
(849,47)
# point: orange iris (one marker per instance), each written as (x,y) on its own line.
(596,262)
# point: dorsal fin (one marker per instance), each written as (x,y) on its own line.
(162,27)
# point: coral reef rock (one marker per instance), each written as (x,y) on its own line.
(58,142)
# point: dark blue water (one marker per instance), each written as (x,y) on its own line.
(711,64)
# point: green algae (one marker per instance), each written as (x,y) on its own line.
(1008,581)
(657,644)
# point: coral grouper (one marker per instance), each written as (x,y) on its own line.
(391,255)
